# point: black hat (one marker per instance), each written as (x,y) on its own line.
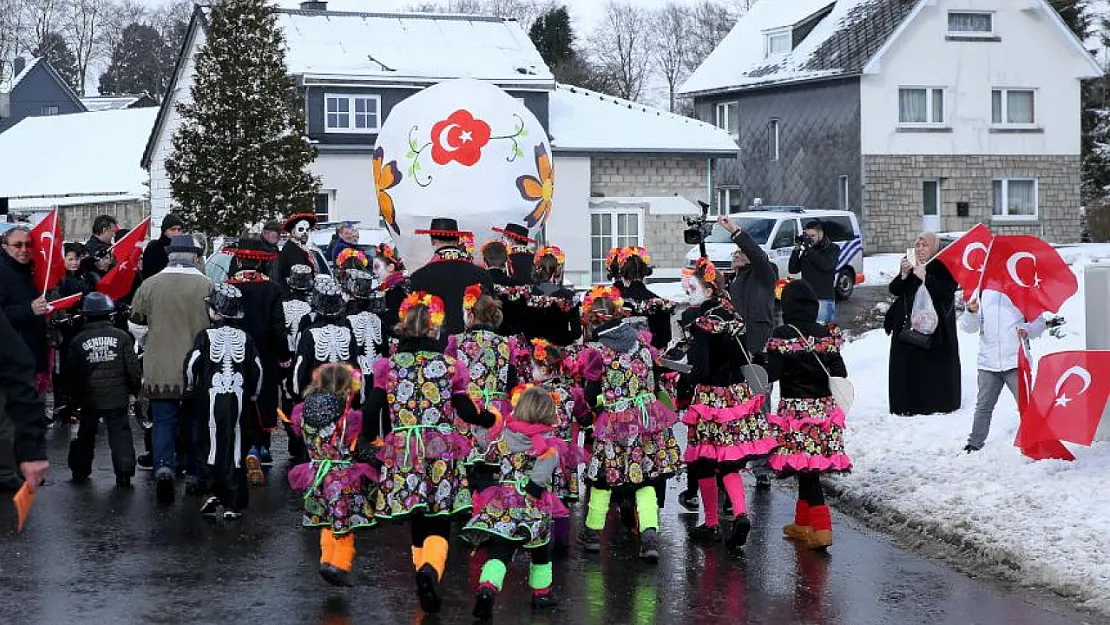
(311,218)
(300,278)
(799,303)
(445,228)
(327,297)
(273,225)
(516,232)
(359,284)
(251,249)
(97,305)
(226,300)
(184,243)
(171,221)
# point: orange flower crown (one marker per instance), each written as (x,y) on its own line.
(350,253)
(552,251)
(471,296)
(539,350)
(519,390)
(611,257)
(600,293)
(467,240)
(703,270)
(626,253)
(390,254)
(427,300)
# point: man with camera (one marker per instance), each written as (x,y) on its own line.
(816,257)
(98,250)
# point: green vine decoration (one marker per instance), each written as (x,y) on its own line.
(519,133)
(414,154)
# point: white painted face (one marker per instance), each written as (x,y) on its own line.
(695,290)
(539,374)
(381,269)
(301,230)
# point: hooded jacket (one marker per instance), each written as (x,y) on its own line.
(798,371)
(997,323)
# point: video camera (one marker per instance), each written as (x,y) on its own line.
(698,227)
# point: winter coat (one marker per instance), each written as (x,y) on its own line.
(714,355)
(542,319)
(172,309)
(17,291)
(798,372)
(263,317)
(817,264)
(512,311)
(23,404)
(155,256)
(337,248)
(448,279)
(753,294)
(642,302)
(94,250)
(997,323)
(102,369)
(76,282)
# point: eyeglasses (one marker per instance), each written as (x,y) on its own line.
(19,244)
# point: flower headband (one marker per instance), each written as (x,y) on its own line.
(552,251)
(520,389)
(539,350)
(633,250)
(706,270)
(390,254)
(611,257)
(599,293)
(467,240)
(350,253)
(427,300)
(471,296)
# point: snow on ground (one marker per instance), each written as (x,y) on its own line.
(880,269)
(1048,521)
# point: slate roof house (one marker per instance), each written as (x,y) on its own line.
(117,102)
(37,90)
(915,114)
(629,171)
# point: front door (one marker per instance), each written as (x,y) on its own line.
(930,206)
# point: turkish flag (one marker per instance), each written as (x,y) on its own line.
(1070,393)
(64,303)
(117,282)
(122,248)
(46,248)
(966,257)
(1034,437)
(1031,273)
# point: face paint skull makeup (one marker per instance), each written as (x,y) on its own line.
(381,269)
(300,231)
(695,290)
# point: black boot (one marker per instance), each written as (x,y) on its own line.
(590,540)
(427,589)
(335,575)
(544,600)
(706,534)
(483,603)
(739,535)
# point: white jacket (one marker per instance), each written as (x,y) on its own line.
(997,323)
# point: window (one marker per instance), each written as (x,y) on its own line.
(608,229)
(930,198)
(921,105)
(778,42)
(838,229)
(1013,106)
(728,201)
(969,24)
(352,113)
(322,206)
(788,231)
(728,118)
(773,139)
(48,110)
(1015,199)
(842,193)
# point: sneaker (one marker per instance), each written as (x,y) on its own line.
(972,448)
(649,546)
(590,540)
(689,501)
(706,534)
(264,457)
(763,482)
(335,575)
(232,515)
(210,507)
(145,462)
(427,589)
(483,603)
(79,479)
(544,599)
(123,481)
(739,535)
(165,489)
(255,476)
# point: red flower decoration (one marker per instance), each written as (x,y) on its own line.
(459,138)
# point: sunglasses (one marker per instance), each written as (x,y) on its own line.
(19,244)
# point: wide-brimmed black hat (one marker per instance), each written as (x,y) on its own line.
(184,243)
(251,249)
(515,232)
(445,228)
(311,218)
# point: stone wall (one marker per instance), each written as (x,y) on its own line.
(893,195)
(663,237)
(77,221)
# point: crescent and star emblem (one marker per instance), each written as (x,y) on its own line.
(967,255)
(1062,399)
(1012,267)
(445,138)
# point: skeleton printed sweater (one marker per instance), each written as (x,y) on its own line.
(322,341)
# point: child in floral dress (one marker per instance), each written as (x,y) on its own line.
(726,423)
(515,504)
(338,490)
(487,355)
(810,425)
(634,447)
(423,478)
(551,313)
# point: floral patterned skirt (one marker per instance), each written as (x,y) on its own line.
(435,487)
(637,461)
(727,425)
(342,501)
(810,434)
(504,512)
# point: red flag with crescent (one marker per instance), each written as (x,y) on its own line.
(1031,273)
(117,282)
(46,251)
(1034,437)
(966,257)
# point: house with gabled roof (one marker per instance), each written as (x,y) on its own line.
(37,91)
(916,114)
(629,171)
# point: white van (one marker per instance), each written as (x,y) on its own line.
(775,228)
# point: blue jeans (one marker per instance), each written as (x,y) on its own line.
(826,310)
(164,433)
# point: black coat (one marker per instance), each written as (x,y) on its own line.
(293,254)
(714,353)
(817,264)
(753,293)
(155,256)
(448,279)
(552,323)
(799,373)
(102,369)
(95,249)
(520,267)
(924,381)
(23,404)
(642,302)
(512,311)
(263,317)
(341,346)
(17,291)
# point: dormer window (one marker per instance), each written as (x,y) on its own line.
(970,24)
(778,42)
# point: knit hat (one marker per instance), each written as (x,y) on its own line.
(171,221)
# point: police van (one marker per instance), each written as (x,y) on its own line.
(775,229)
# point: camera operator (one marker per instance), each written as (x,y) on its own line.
(816,257)
(99,260)
(753,289)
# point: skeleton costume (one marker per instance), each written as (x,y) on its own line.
(223,372)
(327,338)
(295,309)
(366,325)
(298,250)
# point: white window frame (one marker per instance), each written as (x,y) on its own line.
(843,193)
(1006,200)
(722,110)
(724,201)
(774,136)
(352,98)
(930,109)
(330,193)
(969,33)
(778,33)
(48,110)
(1005,113)
(615,239)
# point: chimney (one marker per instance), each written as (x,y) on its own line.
(18,65)
(314,5)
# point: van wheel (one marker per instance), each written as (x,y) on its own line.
(845,283)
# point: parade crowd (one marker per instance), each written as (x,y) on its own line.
(476,390)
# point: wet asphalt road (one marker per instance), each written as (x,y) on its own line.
(93,554)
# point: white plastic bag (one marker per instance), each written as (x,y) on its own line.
(923,315)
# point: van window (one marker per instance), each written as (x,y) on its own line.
(838,228)
(788,230)
(758,228)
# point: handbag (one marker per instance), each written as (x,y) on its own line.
(842,389)
(912,337)
(754,375)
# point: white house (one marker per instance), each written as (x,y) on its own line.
(627,170)
(916,114)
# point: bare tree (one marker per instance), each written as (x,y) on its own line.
(11,35)
(117,17)
(84,29)
(670,29)
(711,22)
(40,17)
(621,46)
(524,11)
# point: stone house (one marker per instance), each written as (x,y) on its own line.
(915,114)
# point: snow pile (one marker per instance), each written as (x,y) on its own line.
(1048,522)
(880,269)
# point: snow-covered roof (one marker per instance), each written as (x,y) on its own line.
(91,157)
(26,70)
(410,46)
(586,121)
(109,103)
(830,38)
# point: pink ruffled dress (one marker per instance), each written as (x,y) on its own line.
(488,357)
(570,406)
